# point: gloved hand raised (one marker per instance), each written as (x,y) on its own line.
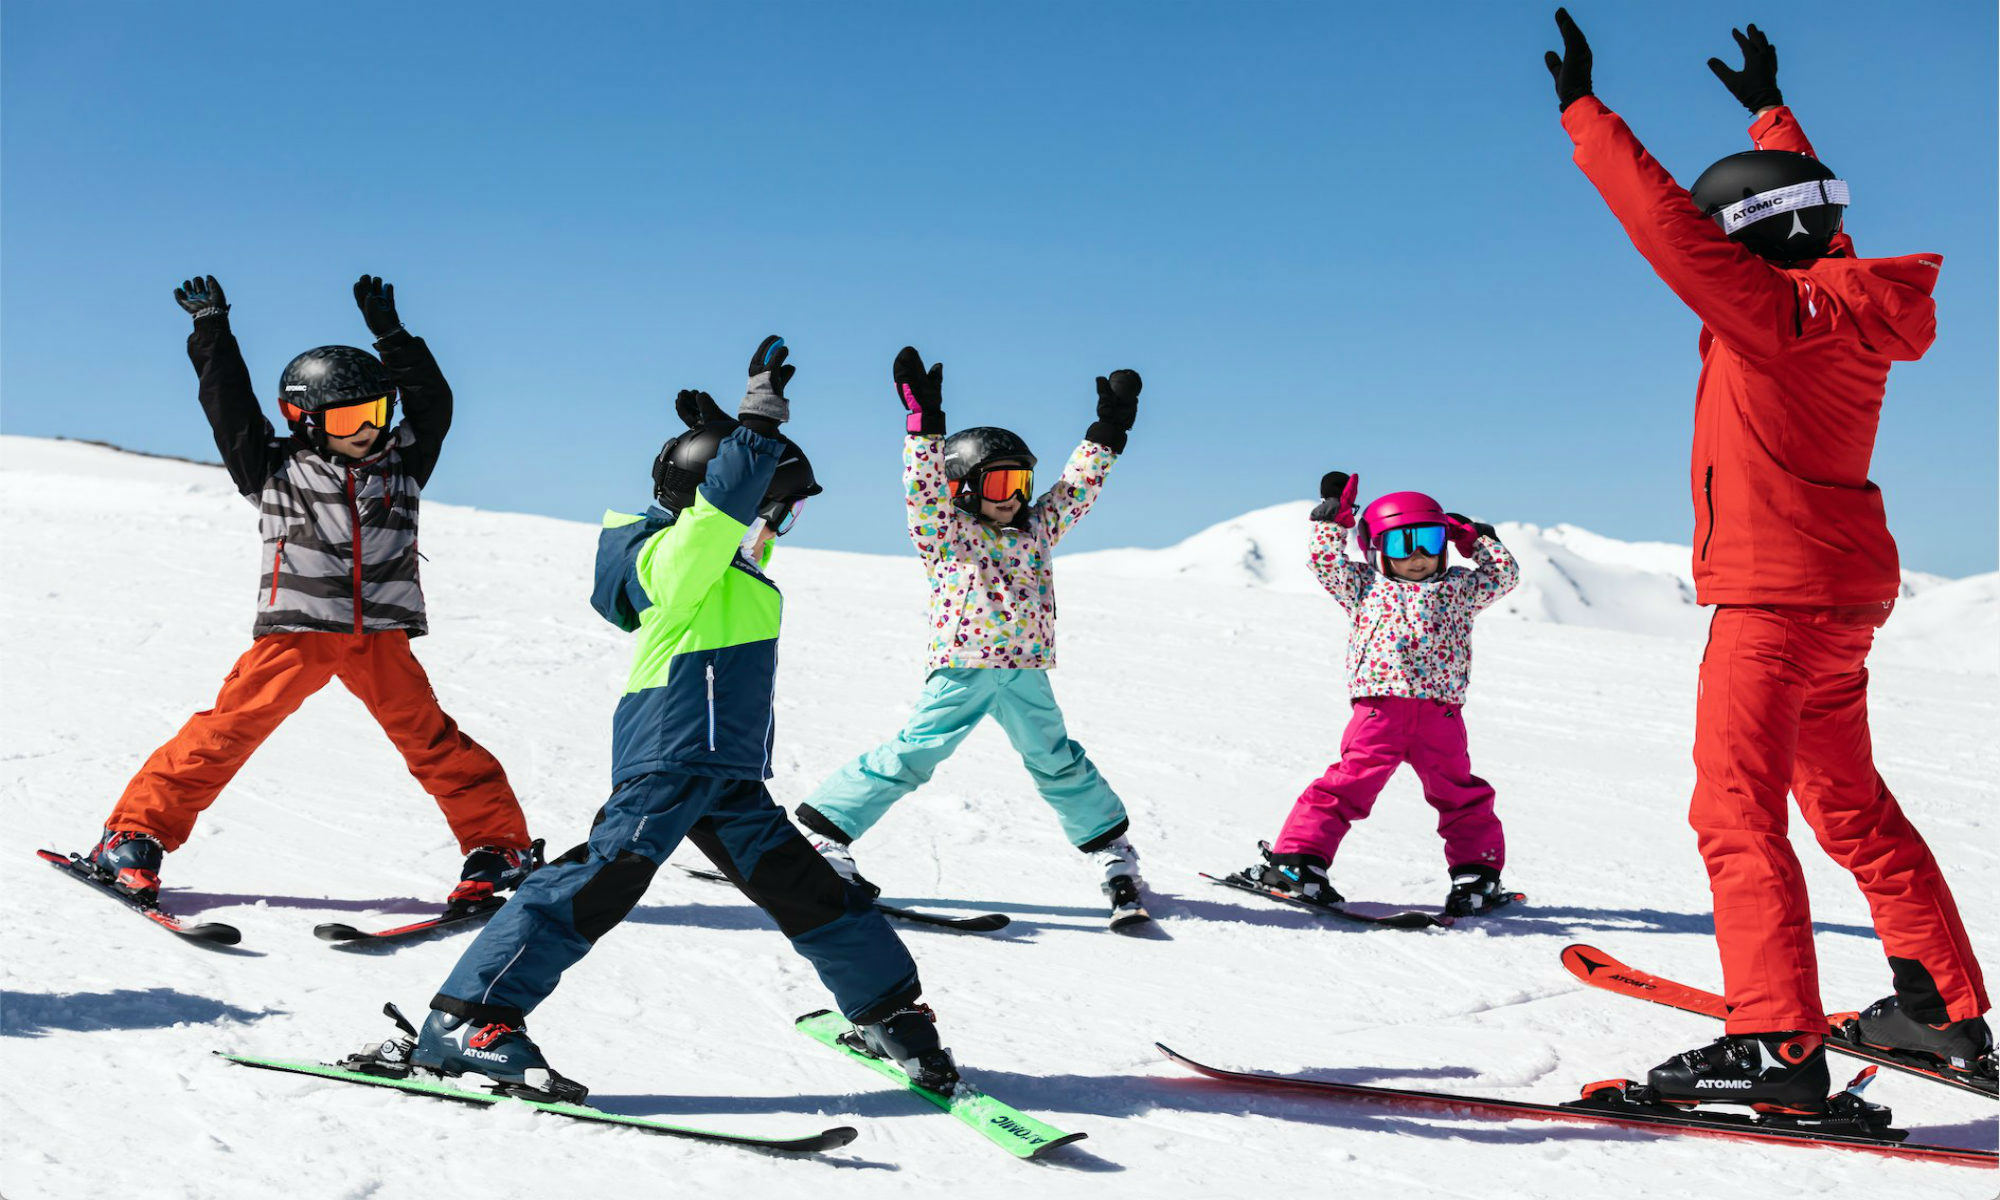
(1756,85)
(1337,490)
(696,409)
(1466,532)
(764,406)
(1117,408)
(202,298)
(921,391)
(1571,68)
(377,302)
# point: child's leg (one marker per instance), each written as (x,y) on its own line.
(833,925)
(467,782)
(857,795)
(1370,751)
(555,917)
(182,778)
(1025,707)
(1464,802)
(1859,823)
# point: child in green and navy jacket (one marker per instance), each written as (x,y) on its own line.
(691,751)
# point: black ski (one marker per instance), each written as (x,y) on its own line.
(212,933)
(983,923)
(344,934)
(1850,1123)
(1413,919)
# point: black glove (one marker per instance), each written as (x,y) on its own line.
(1337,490)
(1756,85)
(1117,408)
(1571,68)
(377,302)
(696,409)
(764,400)
(202,298)
(922,393)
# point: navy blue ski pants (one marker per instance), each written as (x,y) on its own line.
(562,909)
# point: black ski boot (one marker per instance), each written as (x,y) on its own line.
(1773,1072)
(1302,876)
(1476,890)
(452,1046)
(1960,1045)
(130,862)
(908,1037)
(488,870)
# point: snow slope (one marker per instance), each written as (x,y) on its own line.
(126,596)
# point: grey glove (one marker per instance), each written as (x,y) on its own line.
(769,373)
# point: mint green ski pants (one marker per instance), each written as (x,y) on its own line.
(953,701)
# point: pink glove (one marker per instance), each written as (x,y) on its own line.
(1337,490)
(1463,533)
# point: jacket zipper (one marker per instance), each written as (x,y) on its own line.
(354,513)
(277,561)
(711,707)
(1708,494)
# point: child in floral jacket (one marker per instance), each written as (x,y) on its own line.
(1408,658)
(989,554)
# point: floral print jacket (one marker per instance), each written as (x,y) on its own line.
(993,597)
(1410,639)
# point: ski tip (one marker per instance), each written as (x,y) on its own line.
(220,935)
(336,932)
(1056,1144)
(814,1015)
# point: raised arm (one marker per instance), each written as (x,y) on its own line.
(1332,517)
(682,562)
(421,387)
(1497,572)
(1749,303)
(936,526)
(1773,126)
(243,434)
(1076,489)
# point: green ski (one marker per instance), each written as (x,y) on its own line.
(828,1139)
(1008,1128)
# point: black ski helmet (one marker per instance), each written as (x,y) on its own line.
(969,451)
(1782,206)
(683,463)
(327,377)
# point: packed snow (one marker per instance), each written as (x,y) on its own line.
(128,592)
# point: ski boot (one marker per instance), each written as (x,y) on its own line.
(488,870)
(841,858)
(1770,1072)
(130,862)
(1299,876)
(1120,863)
(1475,891)
(1961,1046)
(452,1046)
(908,1037)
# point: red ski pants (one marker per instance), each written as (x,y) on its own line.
(1384,733)
(270,681)
(1784,708)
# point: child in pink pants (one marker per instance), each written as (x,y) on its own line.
(1408,657)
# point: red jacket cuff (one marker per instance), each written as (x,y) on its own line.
(1589,108)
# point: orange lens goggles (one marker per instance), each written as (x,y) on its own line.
(1005,483)
(345,421)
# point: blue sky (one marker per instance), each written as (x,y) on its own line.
(1330,236)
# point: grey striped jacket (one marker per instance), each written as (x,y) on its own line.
(340,535)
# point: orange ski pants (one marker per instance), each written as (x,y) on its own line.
(1784,708)
(270,681)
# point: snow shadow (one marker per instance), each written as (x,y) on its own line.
(185,903)
(748,916)
(1523,920)
(37,1014)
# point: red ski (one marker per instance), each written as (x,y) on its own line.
(1607,1103)
(1600,970)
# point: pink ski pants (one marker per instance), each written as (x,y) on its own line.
(1384,733)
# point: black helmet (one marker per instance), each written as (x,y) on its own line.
(683,463)
(970,451)
(1783,206)
(328,377)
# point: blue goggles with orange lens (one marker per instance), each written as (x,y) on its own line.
(1414,539)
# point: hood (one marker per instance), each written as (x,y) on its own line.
(1886,300)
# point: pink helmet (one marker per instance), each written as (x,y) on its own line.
(1394,511)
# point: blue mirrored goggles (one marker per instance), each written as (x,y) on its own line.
(780,515)
(1413,539)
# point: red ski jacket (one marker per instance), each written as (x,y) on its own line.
(1794,361)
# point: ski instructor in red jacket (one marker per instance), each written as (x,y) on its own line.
(1793,549)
